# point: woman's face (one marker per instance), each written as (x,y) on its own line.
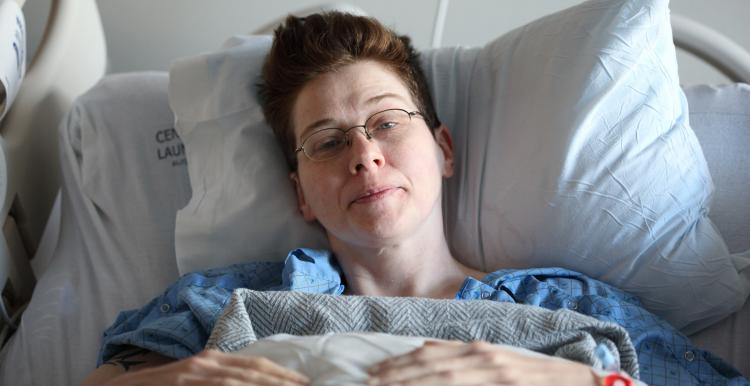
(374,193)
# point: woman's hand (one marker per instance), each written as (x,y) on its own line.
(477,363)
(214,368)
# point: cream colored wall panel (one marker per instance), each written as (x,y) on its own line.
(149,34)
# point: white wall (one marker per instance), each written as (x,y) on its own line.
(149,34)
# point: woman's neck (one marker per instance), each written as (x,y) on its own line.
(414,267)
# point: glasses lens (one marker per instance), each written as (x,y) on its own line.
(325,144)
(386,124)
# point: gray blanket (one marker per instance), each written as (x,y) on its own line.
(252,315)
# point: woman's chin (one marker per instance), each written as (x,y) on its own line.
(381,218)
(369,234)
(381,231)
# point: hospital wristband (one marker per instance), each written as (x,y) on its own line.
(613,379)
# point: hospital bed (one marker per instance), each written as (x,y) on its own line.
(68,267)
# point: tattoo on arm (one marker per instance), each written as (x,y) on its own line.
(128,358)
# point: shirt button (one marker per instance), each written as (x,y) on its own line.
(164,307)
(485,295)
(573,305)
(689,356)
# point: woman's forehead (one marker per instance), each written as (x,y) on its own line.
(350,93)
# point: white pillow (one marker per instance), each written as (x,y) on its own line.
(572,144)
(243,206)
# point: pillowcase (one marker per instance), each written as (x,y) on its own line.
(243,206)
(573,149)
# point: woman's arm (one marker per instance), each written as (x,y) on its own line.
(142,367)
(128,360)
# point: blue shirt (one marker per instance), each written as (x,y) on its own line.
(177,323)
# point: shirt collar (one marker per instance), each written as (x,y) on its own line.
(312,270)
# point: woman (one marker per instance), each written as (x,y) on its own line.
(350,106)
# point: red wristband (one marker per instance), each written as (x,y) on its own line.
(616,379)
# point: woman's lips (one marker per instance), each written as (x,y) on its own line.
(373,195)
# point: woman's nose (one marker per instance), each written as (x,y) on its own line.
(366,154)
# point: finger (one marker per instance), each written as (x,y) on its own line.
(476,360)
(431,352)
(198,380)
(443,342)
(260,364)
(201,371)
(249,376)
(456,377)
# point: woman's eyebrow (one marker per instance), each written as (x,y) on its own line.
(316,124)
(379,97)
(329,122)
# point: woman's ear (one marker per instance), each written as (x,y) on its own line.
(304,209)
(445,142)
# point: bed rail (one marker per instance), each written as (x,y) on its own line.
(70,59)
(719,51)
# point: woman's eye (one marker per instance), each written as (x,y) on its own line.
(328,144)
(387,125)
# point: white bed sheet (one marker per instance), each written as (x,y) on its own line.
(729,339)
(720,117)
(113,254)
(337,359)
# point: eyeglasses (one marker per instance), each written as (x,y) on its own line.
(387,126)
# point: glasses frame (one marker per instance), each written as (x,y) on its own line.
(368,135)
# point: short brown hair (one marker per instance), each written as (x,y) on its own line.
(306,47)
